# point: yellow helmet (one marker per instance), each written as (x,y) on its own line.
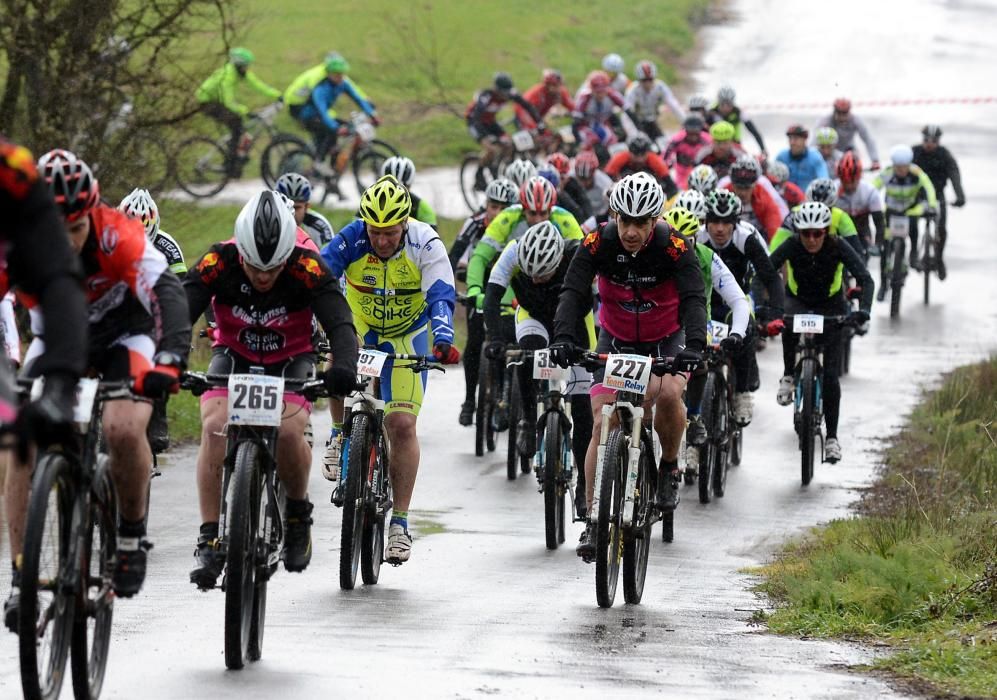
(385,203)
(683,221)
(722,131)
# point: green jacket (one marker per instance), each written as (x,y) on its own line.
(300,89)
(221,85)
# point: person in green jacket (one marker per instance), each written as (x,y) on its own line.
(299,92)
(217,94)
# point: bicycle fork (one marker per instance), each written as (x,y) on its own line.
(636,414)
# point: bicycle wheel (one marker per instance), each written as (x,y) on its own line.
(554,489)
(151,159)
(723,420)
(609,530)
(708,450)
(470,183)
(483,411)
(807,427)
(241,533)
(270,545)
(200,165)
(637,542)
(927,263)
(361,460)
(736,446)
(373,533)
(897,278)
(515,411)
(367,161)
(273,157)
(95,604)
(47,602)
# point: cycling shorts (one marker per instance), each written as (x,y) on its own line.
(401,390)
(481,131)
(669,346)
(225,361)
(127,356)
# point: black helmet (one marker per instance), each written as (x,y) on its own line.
(639,144)
(694,122)
(503,83)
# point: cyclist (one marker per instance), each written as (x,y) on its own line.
(682,148)
(39,261)
(564,199)
(403,170)
(519,171)
(653,303)
(299,92)
(846,124)
(217,97)
(694,201)
(570,186)
(315,115)
(138,330)
(861,201)
(534,268)
(594,182)
(804,163)
(724,109)
(703,179)
(140,205)
(639,158)
(815,265)
(298,189)
(613,64)
(907,192)
(759,199)
(596,123)
(778,174)
(940,166)
(700,104)
(827,141)
(400,287)
(743,251)
(483,125)
(723,151)
(645,98)
(825,191)
(499,194)
(544,96)
(265,291)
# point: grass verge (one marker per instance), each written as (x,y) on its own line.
(917,568)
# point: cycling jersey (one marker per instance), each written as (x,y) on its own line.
(907,194)
(681,155)
(221,85)
(860,204)
(422,211)
(317,227)
(846,133)
(598,193)
(8,329)
(543,101)
(595,110)
(623,164)
(467,238)
(483,109)
(790,193)
(718,279)
(831,161)
(299,92)
(324,96)
(646,296)
(168,246)
(940,167)
(744,252)
(737,118)
(643,104)
(803,168)
(721,164)
(765,205)
(816,279)
(396,296)
(271,327)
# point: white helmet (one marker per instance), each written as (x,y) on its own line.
(901,155)
(694,201)
(811,215)
(540,250)
(613,63)
(778,170)
(503,191)
(698,102)
(823,189)
(726,94)
(520,170)
(703,178)
(265,230)
(638,196)
(140,205)
(402,168)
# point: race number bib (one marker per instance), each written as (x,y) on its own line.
(365,130)
(718,331)
(808,323)
(899,226)
(522,140)
(371,362)
(255,399)
(628,373)
(544,368)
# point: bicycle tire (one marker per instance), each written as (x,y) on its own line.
(515,411)
(89,649)
(807,437)
(273,156)
(200,166)
(275,512)
(53,476)
(737,446)
(372,555)
(637,544)
(358,466)
(367,161)
(927,262)
(552,486)
(724,421)
(608,529)
(243,520)
(897,278)
(707,451)
(483,410)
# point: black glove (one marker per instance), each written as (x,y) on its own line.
(339,381)
(49,420)
(858,317)
(564,354)
(687,360)
(494,349)
(731,343)
(959,202)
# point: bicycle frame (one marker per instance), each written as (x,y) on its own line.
(631,409)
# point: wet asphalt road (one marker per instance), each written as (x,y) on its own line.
(482,609)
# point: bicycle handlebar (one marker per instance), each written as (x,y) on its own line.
(199,382)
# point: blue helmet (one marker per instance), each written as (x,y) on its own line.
(295,187)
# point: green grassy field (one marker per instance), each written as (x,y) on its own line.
(421,63)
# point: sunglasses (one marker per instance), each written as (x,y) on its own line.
(813,234)
(531,212)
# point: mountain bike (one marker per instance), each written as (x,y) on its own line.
(722,431)
(511,402)
(927,254)
(202,164)
(251,525)
(356,147)
(364,489)
(66,602)
(474,177)
(898,227)
(623,506)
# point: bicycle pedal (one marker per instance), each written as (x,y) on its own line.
(337,498)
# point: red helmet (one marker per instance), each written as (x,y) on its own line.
(843,105)
(552,77)
(598,80)
(586,163)
(646,71)
(71,182)
(849,168)
(561,162)
(538,194)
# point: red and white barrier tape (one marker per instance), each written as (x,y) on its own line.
(892,102)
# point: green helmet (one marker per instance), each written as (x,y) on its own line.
(334,63)
(240,56)
(722,131)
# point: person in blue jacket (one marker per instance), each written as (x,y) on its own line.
(805,163)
